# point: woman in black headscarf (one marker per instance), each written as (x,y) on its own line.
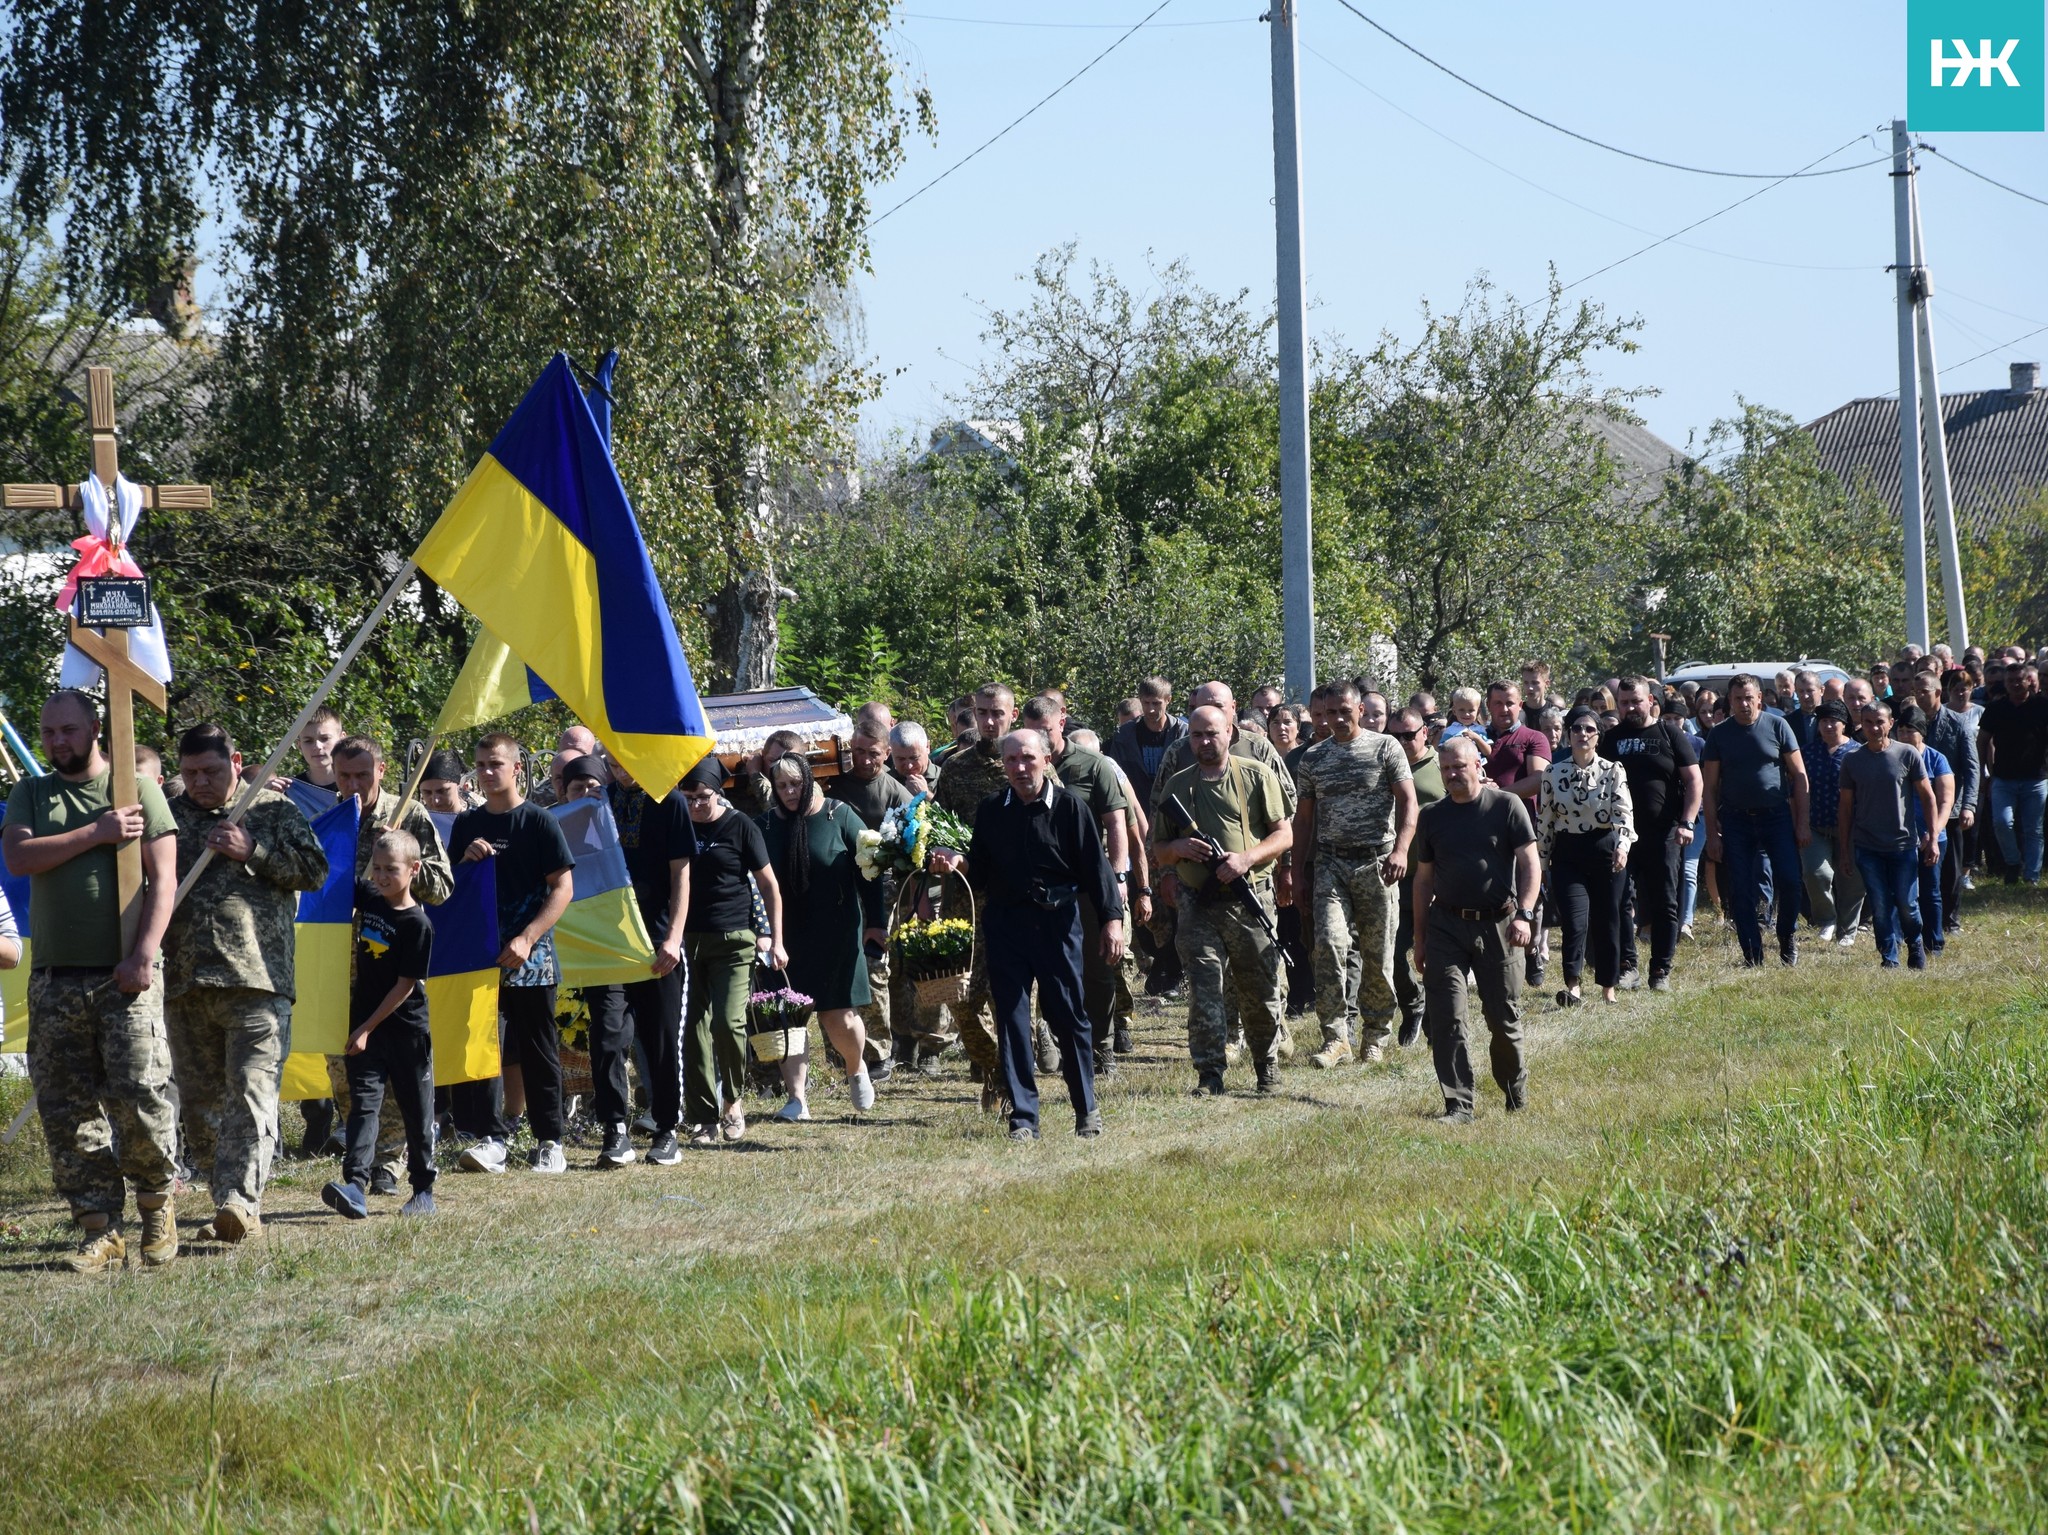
(829,911)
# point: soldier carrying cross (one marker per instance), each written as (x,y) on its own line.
(98,851)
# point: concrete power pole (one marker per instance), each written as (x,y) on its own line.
(1912,514)
(1297,583)
(1934,435)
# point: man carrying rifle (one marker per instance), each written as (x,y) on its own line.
(1222,824)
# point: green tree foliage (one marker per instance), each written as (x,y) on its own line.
(420,204)
(1119,515)
(1488,507)
(2005,577)
(1770,555)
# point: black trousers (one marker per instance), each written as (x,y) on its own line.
(1027,945)
(1301,975)
(529,1039)
(398,1061)
(1587,888)
(1656,878)
(1954,859)
(651,1014)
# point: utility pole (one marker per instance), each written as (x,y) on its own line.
(1297,575)
(1912,514)
(1934,435)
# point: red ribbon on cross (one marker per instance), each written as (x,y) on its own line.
(97,556)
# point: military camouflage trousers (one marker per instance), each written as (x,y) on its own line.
(228,1046)
(101,1069)
(1354,916)
(1229,959)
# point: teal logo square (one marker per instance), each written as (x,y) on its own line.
(1975,66)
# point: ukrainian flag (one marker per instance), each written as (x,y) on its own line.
(494,682)
(541,544)
(14,983)
(601,939)
(462,977)
(321,961)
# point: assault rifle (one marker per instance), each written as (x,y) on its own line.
(1240,888)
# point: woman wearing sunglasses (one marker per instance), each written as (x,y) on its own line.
(1585,823)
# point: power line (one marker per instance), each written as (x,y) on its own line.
(1013,122)
(1667,239)
(1071,26)
(2003,346)
(1670,165)
(1391,104)
(1952,160)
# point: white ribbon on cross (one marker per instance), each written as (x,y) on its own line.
(147,646)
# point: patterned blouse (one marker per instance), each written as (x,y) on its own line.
(1593,798)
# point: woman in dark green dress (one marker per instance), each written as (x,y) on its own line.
(829,912)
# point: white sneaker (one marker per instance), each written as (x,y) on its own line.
(1685,933)
(548,1158)
(863,1089)
(1847,940)
(794,1112)
(1827,932)
(485,1156)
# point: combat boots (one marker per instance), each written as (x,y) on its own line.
(1335,1053)
(159,1231)
(102,1249)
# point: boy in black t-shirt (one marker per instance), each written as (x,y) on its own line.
(389,1044)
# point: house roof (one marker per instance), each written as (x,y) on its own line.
(1997,450)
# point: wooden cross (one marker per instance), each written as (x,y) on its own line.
(110,650)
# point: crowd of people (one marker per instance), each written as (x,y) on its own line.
(1373,862)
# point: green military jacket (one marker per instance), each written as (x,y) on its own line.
(1234,813)
(436,879)
(1244,744)
(237,926)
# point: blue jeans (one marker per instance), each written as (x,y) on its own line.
(2017,805)
(1750,839)
(1891,884)
(1689,893)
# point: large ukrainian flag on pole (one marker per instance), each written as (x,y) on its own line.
(541,544)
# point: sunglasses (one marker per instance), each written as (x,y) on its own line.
(1585,730)
(1405,735)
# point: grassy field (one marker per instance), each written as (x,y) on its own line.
(1766,1253)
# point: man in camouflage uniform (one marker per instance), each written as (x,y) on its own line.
(228,981)
(1253,747)
(1239,811)
(97,1057)
(1351,833)
(359,771)
(973,772)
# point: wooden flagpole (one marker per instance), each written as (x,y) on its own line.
(327,686)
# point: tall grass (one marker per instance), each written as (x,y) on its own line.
(1826,1313)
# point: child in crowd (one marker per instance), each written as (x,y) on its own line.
(1465,704)
(313,791)
(442,794)
(390,1046)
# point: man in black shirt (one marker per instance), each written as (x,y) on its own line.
(1664,785)
(534,873)
(656,838)
(1034,853)
(2014,736)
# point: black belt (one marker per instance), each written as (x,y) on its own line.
(1480,914)
(1359,854)
(76,972)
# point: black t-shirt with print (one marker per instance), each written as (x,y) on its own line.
(1652,757)
(727,851)
(528,846)
(390,944)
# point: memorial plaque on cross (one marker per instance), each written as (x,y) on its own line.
(109,650)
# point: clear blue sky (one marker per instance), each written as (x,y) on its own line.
(1166,147)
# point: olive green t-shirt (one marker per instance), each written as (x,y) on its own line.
(1234,813)
(1093,779)
(75,908)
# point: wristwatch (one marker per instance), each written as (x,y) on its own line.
(1123,876)
(1526,916)
(1142,890)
